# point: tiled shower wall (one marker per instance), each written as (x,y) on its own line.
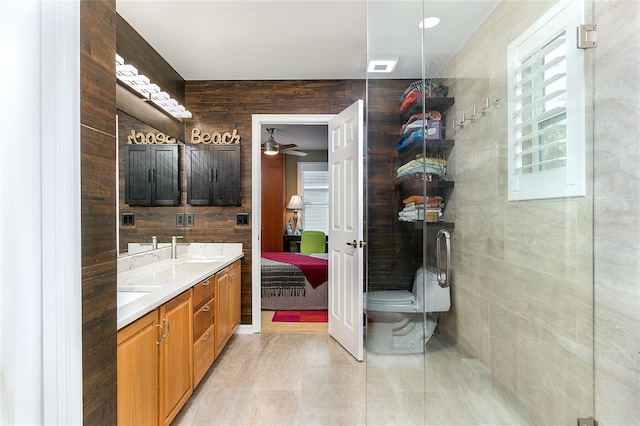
(524,271)
(617,213)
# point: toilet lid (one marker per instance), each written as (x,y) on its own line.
(395,296)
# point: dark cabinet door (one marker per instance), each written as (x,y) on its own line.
(213,175)
(137,175)
(199,174)
(164,188)
(227,175)
(151,175)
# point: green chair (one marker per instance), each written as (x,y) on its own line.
(312,242)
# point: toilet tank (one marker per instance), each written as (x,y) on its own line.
(428,292)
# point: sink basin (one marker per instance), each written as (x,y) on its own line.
(126,297)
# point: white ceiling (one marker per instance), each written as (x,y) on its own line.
(303,39)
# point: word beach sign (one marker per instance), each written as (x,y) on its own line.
(226,138)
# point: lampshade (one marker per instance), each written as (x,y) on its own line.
(295,203)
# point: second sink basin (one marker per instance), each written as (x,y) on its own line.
(126,297)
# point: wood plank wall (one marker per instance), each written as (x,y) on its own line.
(226,105)
(99,315)
(394,253)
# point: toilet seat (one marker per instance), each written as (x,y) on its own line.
(390,301)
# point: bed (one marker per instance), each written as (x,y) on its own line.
(286,287)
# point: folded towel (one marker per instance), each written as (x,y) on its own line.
(414,199)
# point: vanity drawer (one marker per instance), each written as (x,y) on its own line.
(204,353)
(202,319)
(202,292)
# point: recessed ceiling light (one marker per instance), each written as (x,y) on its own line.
(382,65)
(429,22)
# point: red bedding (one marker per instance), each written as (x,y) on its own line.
(314,269)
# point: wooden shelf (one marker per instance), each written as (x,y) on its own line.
(415,186)
(428,225)
(433,147)
(439,104)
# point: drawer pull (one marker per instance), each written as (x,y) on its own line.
(206,283)
(206,308)
(206,337)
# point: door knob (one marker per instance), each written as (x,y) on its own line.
(353,244)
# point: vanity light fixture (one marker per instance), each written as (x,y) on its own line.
(429,22)
(128,75)
(382,65)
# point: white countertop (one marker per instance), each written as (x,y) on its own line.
(160,281)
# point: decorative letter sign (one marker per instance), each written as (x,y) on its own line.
(149,138)
(226,138)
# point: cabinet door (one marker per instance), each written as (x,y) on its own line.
(165,175)
(221,314)
(138,372)
(199,174)
(227,188)
(176,356)
(235,284)
(137,166)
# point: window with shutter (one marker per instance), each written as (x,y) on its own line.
(313,186)
(546,121)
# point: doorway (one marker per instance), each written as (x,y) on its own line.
(259,123)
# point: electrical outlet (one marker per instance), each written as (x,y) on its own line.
(128,219)
(188,219)
(242,219)
(179,219)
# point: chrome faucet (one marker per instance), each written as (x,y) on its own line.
(154,242)
(174,246)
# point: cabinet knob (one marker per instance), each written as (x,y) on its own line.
(206,336)
(206,308)
(206,283)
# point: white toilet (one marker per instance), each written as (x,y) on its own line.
(401,322)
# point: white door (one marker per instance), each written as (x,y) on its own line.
(345,228)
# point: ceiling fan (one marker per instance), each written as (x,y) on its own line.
(271,147)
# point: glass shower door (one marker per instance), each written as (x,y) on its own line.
(516,344)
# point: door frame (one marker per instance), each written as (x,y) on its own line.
(257,121)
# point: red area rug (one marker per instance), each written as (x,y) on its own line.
(300,316)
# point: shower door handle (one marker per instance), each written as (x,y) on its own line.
(443,278)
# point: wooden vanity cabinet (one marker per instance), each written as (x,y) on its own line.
(155,363)
(234,296)
(176,356)
(227,304)
(138,372)
(204,350)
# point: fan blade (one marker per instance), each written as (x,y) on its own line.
(287,146)
(293,152)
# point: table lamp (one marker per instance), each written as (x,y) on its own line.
(296,204)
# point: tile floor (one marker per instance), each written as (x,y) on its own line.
(309,379)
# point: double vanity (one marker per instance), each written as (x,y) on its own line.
(175,315)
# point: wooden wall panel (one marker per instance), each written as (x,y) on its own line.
(99,315)
(392,251)
(273,203)
(227,105)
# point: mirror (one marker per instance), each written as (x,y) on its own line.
(134,229)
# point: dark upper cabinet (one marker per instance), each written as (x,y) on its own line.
(151,175)
(213,175)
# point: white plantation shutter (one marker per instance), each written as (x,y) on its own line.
(546,108)
(313,186)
